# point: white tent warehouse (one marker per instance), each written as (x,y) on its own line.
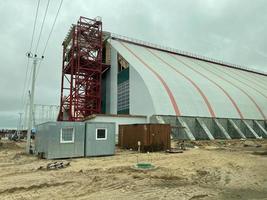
(201,98)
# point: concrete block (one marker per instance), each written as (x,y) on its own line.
(160,119)
(250,129)
(186,129)
(259,129)
(221,128)
(234,129)
(204,128)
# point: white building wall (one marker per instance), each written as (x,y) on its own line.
(140,99)
(120,120)
(162,104)
(111,87)
(168,86)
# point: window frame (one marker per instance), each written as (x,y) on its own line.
(61,134)
(123,96)
(106,133)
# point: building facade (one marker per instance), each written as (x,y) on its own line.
(182,89)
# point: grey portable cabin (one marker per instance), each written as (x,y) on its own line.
(100,139)
(54,140)
(60,139)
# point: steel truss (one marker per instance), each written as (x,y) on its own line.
(81,71)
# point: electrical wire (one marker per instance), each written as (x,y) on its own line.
(38,68)
(38,41)
(50,33)
(34,26)
(26,95)
(25,81)
(37,44)
(28,60)
(52,27)
(42,26)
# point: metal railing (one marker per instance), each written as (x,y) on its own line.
(185,53)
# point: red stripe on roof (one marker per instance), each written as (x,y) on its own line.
(169,92)
(224,91)
(236,78)
(255,80)
(211,111)
(254,102)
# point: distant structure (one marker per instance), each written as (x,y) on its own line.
(42,113)
(201,98)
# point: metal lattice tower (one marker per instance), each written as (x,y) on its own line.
(81,71)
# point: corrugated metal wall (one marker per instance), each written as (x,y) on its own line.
(152,137)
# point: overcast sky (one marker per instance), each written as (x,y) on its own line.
(229,30)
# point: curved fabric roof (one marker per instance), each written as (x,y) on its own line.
(184,86)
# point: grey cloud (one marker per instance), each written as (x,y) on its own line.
(233,31)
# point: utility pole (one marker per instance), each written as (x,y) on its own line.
(19,124)
(30,123)
(26,112)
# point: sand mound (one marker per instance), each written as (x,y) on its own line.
(11,145)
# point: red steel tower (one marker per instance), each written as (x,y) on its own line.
(81,71)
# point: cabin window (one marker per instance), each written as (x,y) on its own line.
(101,134)
(67,135)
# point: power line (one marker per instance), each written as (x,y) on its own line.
(42,26)
(50,33)
(30,54)
(52,27)
(34,26)
(26,94)
(27,66)
(34,75)
(38,68)
(25,81)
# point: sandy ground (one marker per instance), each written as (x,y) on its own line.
(215,170)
